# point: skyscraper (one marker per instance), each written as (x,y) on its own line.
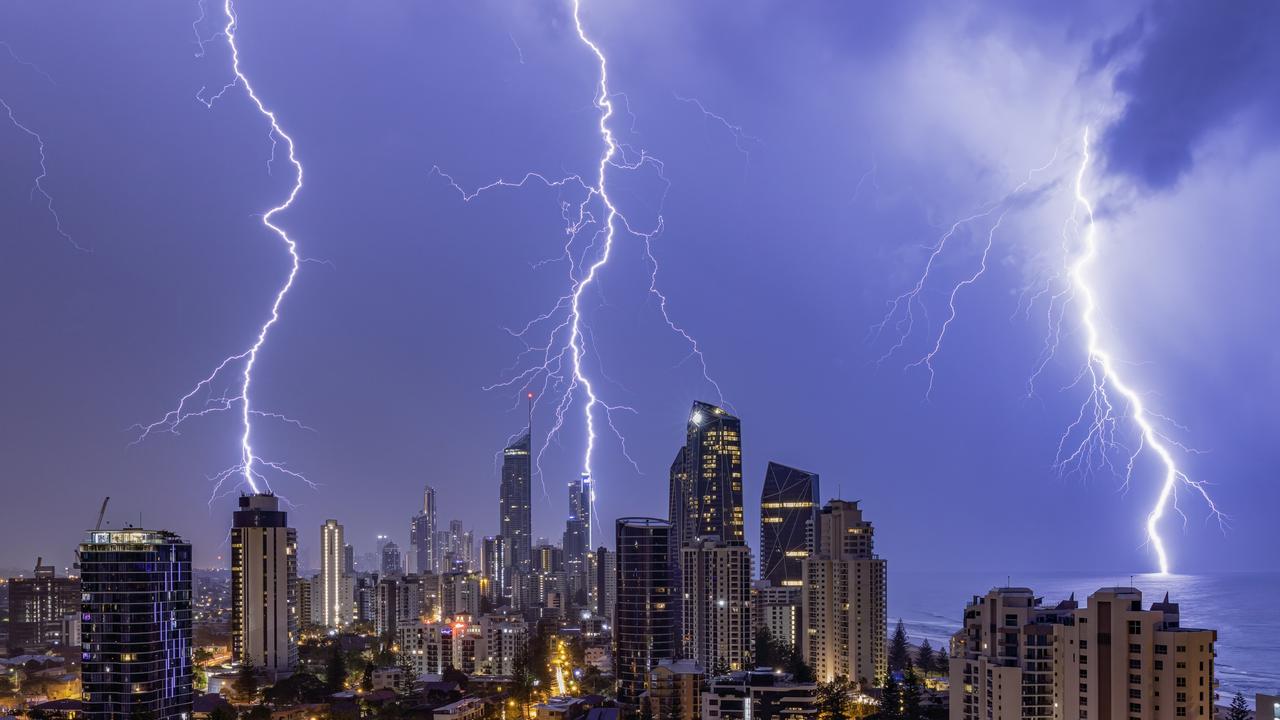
(645,620)
(422,535)
(843,599)
(682,506)
(392,563)
(514,501)
(577,532)
(713,458)
(606,582)
(716,604)
(136,629)
(788,504)
(335,576)
(38,606)
(264,585)
(494,568)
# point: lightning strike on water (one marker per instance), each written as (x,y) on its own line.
(554,366)
(250,466)
(1098,417)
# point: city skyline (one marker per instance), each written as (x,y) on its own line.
(389,338)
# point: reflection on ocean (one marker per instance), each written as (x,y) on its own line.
(1243,607)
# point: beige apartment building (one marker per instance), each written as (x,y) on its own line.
(1110,660)
(844,599)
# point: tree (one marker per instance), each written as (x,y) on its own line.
(912,695)
(335,671)
(924,657)
(222,712)
(890,700)
(246,683)
(769,652)
(942,661)
(366,680)
(298,688)
(834,698)
(258,712)
(899,654)
(454,675)
(798,668)
(1239,710)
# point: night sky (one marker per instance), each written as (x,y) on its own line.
(853,135)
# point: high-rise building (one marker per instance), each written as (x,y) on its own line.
(516,523)
(488,645)
(606,583)
(264,585)
(336,580)
(577,532)
(1018,658)
(682,505)
(306,603)
(422,535)
(713,458)
(844,599)
(716,604)
(495,568)
(136,630)
(38,606)
(645,619)
(392,563)
(776,609)
(788,509)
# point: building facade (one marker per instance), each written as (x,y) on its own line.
(759,695)
(489,645)
(136,629)
(716,605)
(788,513)
(675,690)
(713,462)
(38,608)
(264,585)
(1111,660)
(776,609)
(843,599)
(515,504)
(645,618)
(337,590)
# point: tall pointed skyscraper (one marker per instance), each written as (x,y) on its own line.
(515,502)
(713,460)
(422,535)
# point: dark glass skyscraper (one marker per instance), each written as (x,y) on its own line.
(422,535)
(514,501)
(682,507)
(788,511)
(645,611)
(713,460)
(577,532)
(136,625)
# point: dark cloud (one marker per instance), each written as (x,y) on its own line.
(1199,65)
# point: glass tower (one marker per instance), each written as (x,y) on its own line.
(713,461)
(514,502)
(788,512)
(136,625)
(645,611)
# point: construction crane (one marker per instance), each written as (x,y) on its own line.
(102,512)
(96,526)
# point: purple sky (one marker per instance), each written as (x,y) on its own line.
(867,130)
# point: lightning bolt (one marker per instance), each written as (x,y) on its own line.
(555,365)
(1098,416)
(37,184)
(901,313)
(741,139)
(250,468)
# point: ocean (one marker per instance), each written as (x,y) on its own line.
(1243,607)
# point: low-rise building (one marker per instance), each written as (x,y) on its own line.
(758,695)
(464,709)
(488,646)
(675,690)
